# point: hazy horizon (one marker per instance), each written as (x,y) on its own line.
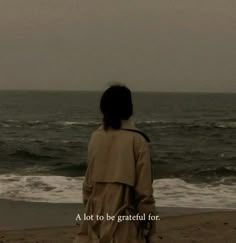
(101,90)
(164,46)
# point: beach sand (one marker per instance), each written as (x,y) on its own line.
(26,222)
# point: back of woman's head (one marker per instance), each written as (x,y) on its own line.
(116,105)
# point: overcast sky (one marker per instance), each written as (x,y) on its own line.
(157,45)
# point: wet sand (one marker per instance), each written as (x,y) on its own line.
(26,222)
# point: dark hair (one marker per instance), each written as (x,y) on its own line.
(116,105)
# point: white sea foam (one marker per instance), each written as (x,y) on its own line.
(80,123)
(167,192)
(226,124)
(176,192)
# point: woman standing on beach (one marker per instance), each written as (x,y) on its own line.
(117,190)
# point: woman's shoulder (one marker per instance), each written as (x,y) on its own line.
(128,127)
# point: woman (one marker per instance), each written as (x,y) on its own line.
(118,181)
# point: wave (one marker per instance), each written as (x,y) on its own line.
(71,170)
(190,124)
(178,193)
(45,124)
(24,154)
(172,192)
(77,123)
(231,124)
(219,172)
(209,125)
(226,124)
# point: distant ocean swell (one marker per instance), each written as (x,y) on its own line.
(228,124)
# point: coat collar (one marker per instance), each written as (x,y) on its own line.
(127,124)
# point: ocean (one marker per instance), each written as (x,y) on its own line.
(44,136)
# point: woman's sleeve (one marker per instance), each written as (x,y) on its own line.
(87,187)
(87,184)
(145,202)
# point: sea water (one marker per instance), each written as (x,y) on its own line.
(44,138)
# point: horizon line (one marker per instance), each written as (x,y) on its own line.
(138,91)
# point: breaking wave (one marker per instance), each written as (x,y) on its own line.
(172,192)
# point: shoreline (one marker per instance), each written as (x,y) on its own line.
(31,222)
(19,215)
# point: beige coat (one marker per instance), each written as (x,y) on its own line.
(118,182)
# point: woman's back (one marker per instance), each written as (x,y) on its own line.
(113,154)
(118,182)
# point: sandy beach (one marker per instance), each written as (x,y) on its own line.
(26,222)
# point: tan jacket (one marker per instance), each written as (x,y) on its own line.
(118,182)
